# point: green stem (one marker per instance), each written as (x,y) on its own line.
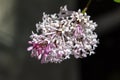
(86,7)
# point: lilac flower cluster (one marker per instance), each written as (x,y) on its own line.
(63,34)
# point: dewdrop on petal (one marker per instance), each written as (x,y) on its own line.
(63,34)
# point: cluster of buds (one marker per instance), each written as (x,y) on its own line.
(61,35)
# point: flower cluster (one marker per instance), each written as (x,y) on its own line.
(63,34)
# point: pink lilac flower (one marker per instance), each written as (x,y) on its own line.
(64,34)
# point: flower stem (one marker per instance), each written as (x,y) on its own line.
(86,7)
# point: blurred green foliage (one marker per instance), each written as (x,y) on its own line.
(117,1)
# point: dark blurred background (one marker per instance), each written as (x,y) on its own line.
(18,19)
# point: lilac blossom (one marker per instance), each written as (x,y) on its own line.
(64,34)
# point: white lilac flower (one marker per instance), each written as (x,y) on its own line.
(64,34)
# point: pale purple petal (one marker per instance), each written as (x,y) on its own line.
(30,48)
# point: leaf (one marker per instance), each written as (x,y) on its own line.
(117,1)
